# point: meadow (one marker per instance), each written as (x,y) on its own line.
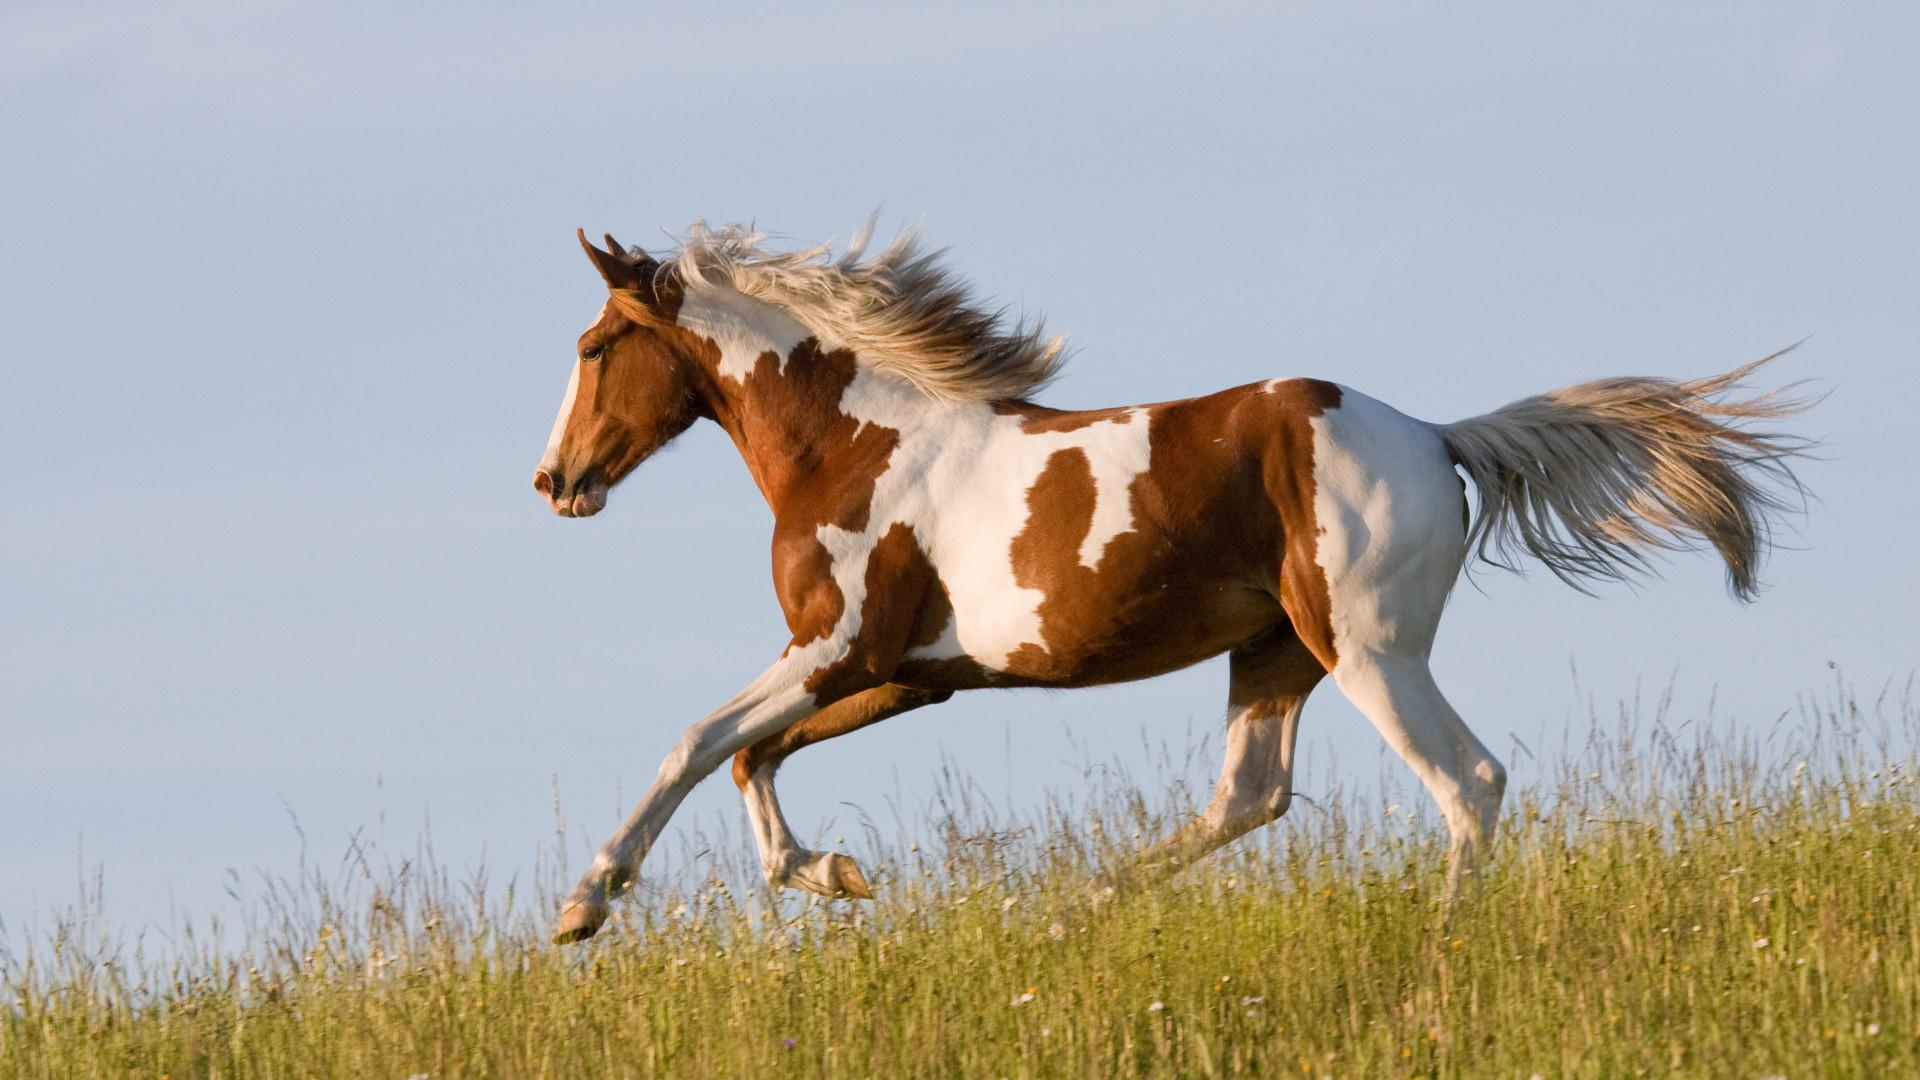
(1668,897)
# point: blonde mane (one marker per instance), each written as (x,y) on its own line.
(901,312)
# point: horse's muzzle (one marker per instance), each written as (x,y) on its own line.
(586,498)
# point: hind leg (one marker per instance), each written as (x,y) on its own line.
(1386,611)
(785,863)
(1270,680)
(1390,532)
(1386,624)
(1398,694)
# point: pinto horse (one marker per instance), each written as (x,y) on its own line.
(937,530)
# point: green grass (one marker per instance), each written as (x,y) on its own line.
(1698,905)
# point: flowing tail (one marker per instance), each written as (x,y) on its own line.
(1594,478)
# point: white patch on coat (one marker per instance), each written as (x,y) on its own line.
(1393,538)
(945,647)
(849,551)
(1392,535)
(1116,460)
(741,326)
(960,476)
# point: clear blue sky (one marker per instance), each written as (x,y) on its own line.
(288,293)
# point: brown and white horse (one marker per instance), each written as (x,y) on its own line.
(936,530)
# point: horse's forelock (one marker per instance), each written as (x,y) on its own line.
(639,309)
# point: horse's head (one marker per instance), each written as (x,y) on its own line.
(634,386)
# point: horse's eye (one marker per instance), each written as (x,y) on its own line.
(593,353)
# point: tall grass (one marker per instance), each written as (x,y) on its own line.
(1673,900)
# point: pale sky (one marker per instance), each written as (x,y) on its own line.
(288,296)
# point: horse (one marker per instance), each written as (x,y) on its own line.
(937,530)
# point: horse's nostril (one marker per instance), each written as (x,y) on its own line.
(544,482)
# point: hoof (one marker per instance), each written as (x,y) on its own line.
(578,922)
(847,879)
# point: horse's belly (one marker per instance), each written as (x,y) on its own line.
(1150,636)
(1089,639)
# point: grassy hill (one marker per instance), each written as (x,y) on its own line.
(1700,905)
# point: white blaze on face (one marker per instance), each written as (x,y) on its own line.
(551,459)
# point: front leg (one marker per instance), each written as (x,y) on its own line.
(839,650)
(785,863)
(778,699)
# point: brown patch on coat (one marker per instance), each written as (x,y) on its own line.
(907,606)
(848,715)
(898,579)
(1156,601)
(953,673)
(816,466)
(1035,419)
(810,597)
(1303,584)
(942,673)
(1046,557)
(810,459)
(1223,546)
(936,613)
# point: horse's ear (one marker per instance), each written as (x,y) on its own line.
(639,259)
(620,271)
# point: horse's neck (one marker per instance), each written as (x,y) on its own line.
(797,411)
